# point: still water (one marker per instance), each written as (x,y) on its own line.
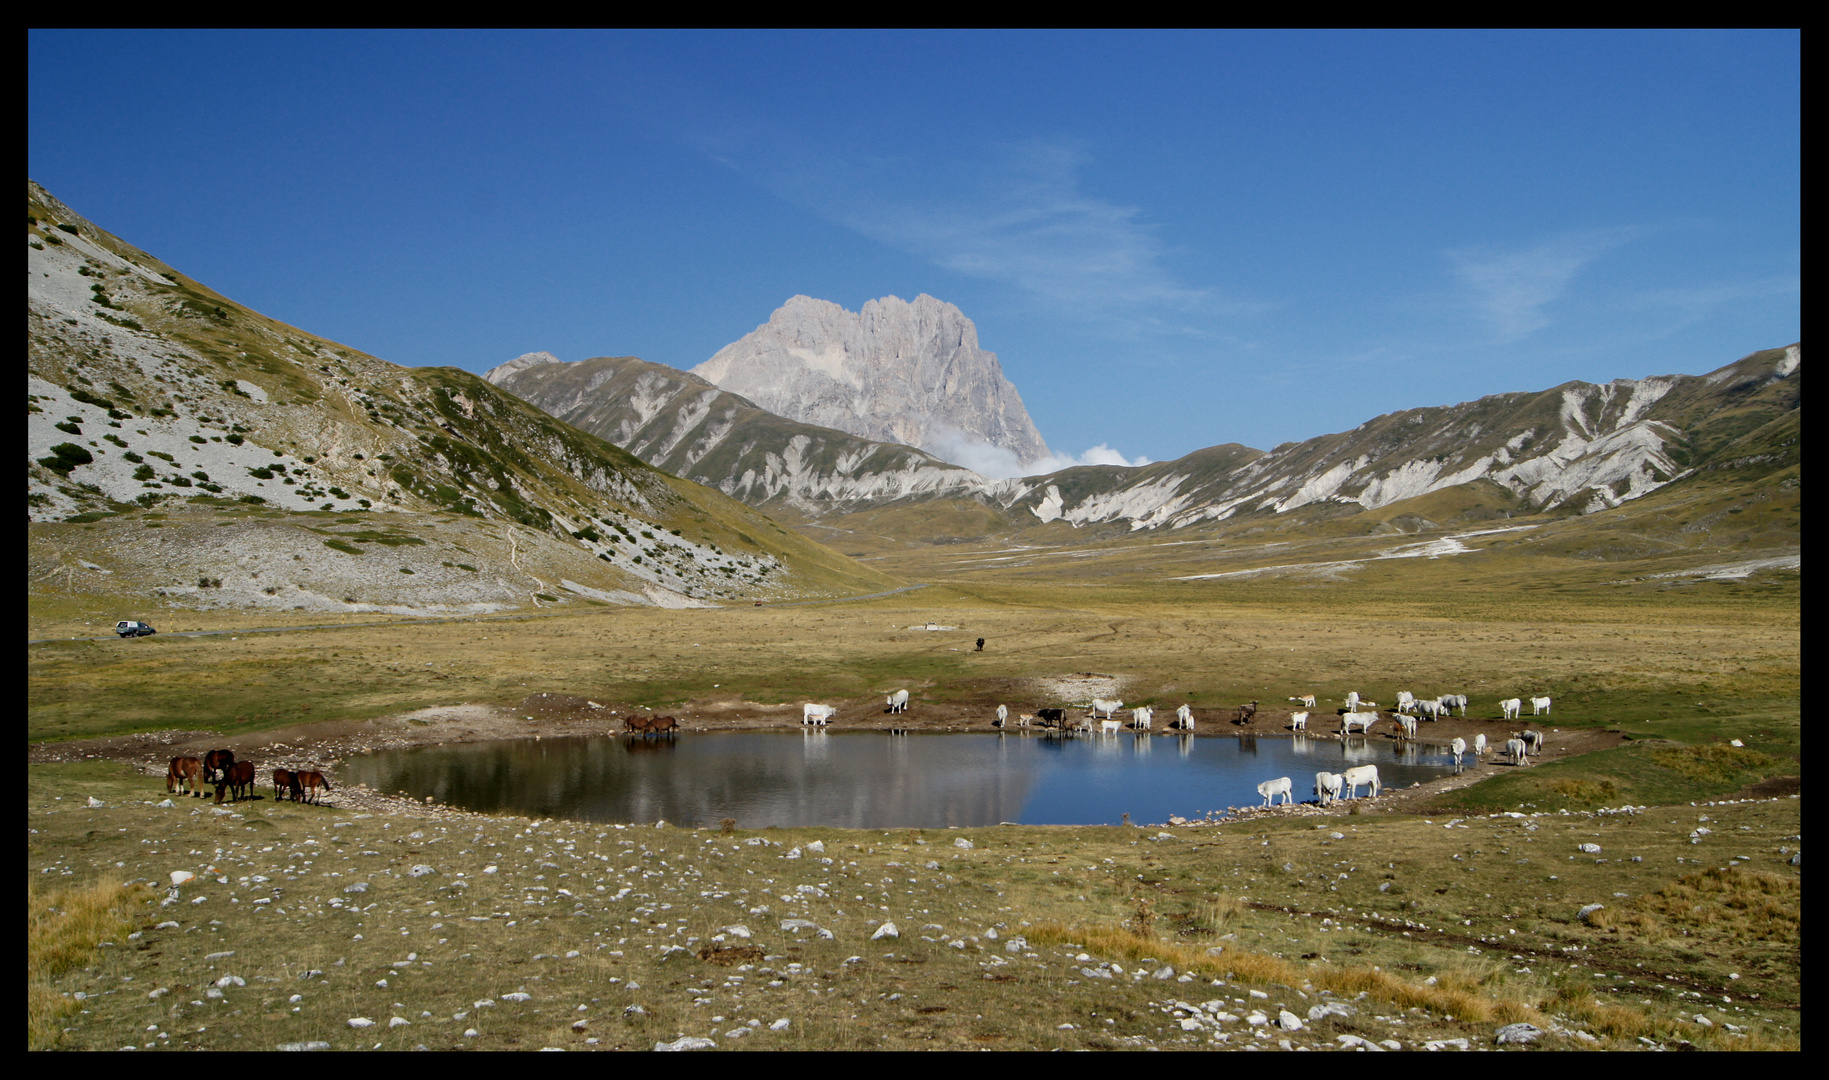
(872,780)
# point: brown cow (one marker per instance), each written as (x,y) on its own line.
(185,773)
(214,763)
(310,782)
(287,780)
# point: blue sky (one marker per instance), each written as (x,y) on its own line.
(1171,240)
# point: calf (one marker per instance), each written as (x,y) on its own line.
(898,701)
(1246,712)
(1306,700)
(1298,721)
(1407,724)
(1140,717)
(1270,789)
(1360,774)
(1184,718)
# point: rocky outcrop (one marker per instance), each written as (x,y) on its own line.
(895,372)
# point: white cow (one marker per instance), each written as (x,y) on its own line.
(1269,789)
(816,714)
(1307,700)
(1100,705)
(898,701)
(1457,748)
(1352,701)
(1003,715)
(1327,786)
(1456,701)
(1533,741)
(1360,774)
(1184,718)
(1479,745)
(1510,707)
(1540,705)
(1514,749)
(1298,721)
(1110,727)
(1407,723)
(1140,718)
(1431,708)
(1405,701)
(1361,720)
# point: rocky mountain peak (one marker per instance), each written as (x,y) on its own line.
(896,371)
(496,374)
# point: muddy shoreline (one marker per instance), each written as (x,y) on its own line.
(324,744)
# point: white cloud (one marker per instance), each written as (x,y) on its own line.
(999,463)
(1512,288)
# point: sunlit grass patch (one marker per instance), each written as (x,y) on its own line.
(64,929)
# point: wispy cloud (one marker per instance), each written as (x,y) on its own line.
(1018,214)
(1512,289)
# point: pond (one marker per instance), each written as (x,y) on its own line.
(871,780)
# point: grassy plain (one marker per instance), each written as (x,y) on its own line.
(1424,928)
(1485,907)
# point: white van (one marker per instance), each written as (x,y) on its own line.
(132,628)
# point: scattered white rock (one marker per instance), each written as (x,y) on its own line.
(165,805)
(687,1042)
(1443,1044)
(231,980)
(1588,849)
(421,870)
(297,1047)
(517,997)
(361,1022)
(94,802)
(1517,1033)
(179,877)
(886,930)
(817,847)
(1588,910)
(779,1025)
(399,1021)
(1288,1021)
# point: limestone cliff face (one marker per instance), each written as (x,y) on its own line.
(894,372)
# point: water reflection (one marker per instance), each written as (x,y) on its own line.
(870,780)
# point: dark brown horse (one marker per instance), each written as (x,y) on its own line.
(310,782)
(637,725)
(237,779)
(214,763)
(285,780)
(185,773)
(661,725)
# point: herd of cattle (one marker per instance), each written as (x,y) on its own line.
(236,778)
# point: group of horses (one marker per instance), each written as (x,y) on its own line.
(236,778)
(651,725)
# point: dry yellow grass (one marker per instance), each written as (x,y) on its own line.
(64,928)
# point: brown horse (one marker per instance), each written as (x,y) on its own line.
(660,725)
(287,780)
(637,725)
(237,779)
(214,763)
(310,782)
(185,773)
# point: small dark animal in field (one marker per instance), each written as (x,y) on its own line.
(310,783)
(214,763)
(286,781)
(1051,718)
(185,773)
(237,779)
(980,647)
(1246,712)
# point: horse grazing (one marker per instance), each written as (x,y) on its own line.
(310,782)
(185,773)
(287,780)
(636,724)
(214,763)
(662,725)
